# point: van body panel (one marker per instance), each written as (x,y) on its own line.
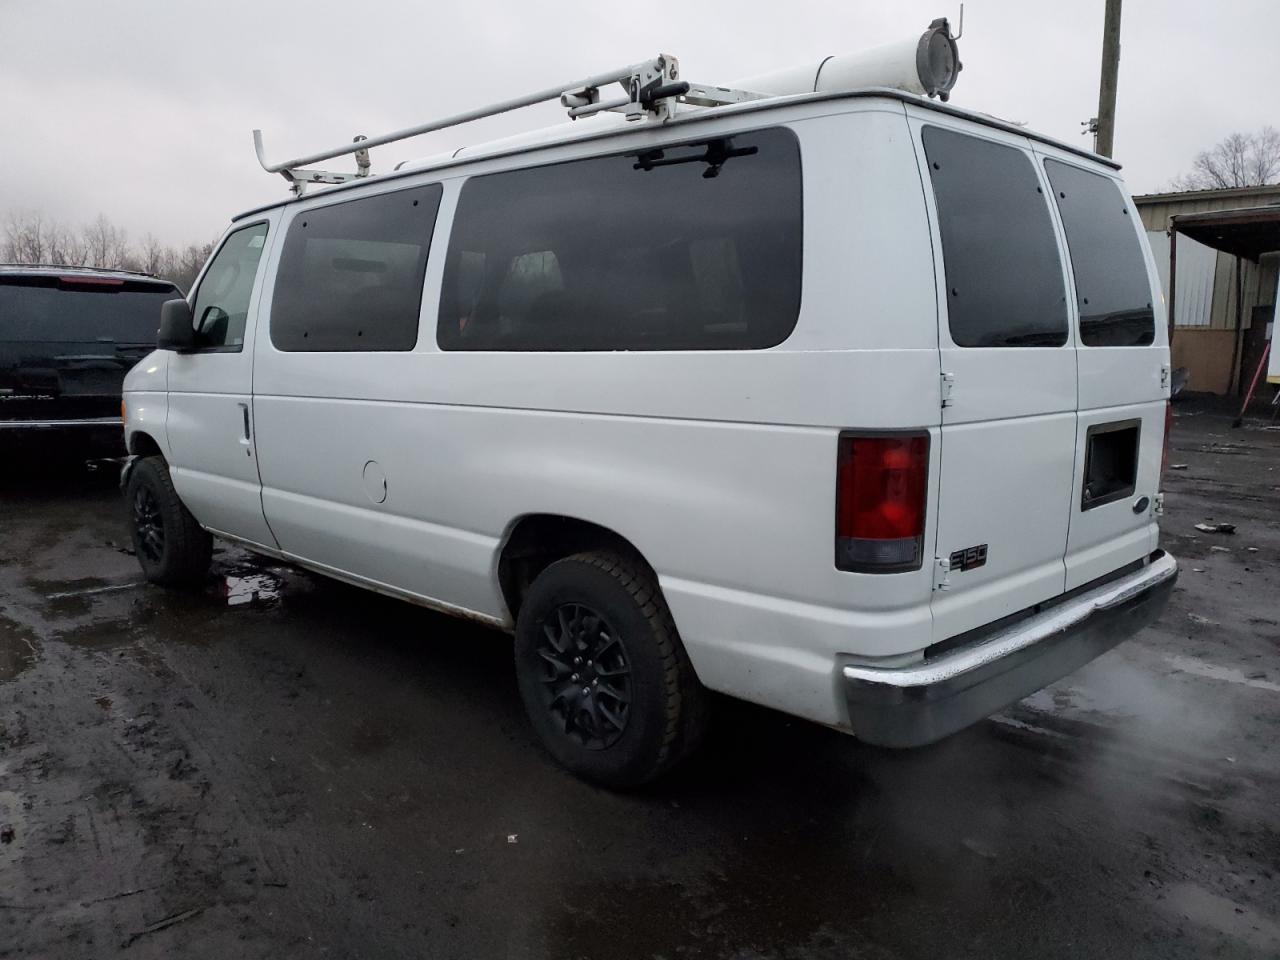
(756,623)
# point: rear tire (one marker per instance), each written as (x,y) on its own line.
(602,672)
(171,547)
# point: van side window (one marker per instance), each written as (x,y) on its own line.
(1106,256)
(1003,272)
(689,247)
(351,274)
(221,306)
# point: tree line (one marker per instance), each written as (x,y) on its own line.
(29,237)
(1238,160)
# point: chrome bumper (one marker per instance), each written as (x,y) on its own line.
(915,705)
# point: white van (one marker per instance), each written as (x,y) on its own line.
(851,404)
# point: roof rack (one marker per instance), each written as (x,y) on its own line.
(652,90)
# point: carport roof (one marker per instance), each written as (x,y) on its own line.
(1246,232)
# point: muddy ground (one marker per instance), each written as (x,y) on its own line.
(283,766)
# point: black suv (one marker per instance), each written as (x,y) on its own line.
(68,335)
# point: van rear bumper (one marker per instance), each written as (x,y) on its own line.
(915,705)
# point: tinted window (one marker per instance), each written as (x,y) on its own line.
(690,247)
(71,308)
(221,306)
(1004,276)
(351,274)
(1111,274)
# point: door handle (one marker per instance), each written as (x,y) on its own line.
(244,412)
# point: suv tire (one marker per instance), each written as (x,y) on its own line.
(602,672)
(171,547)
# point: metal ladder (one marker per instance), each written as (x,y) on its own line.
(652,91)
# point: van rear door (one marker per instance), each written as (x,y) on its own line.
(1123,359)
(1008,360)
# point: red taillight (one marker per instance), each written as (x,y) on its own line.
(1168,428)
(881,499)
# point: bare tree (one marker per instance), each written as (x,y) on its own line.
(1239,160)
(108,245)
(66,247)
(26,237)
(151,255)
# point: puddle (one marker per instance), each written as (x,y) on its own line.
(243,588)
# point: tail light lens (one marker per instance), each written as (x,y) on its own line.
(881,500)
(1168,428)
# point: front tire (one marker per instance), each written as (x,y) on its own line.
(603,675)
(170,545)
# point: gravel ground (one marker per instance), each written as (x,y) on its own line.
(283,766)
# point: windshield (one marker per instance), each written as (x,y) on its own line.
(75,309)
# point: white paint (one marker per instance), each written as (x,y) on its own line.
(1212,671)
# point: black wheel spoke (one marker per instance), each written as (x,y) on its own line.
(614,719)
(604,690)
(149,524)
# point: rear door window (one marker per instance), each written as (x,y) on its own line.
(1112,287)
(351,274)
(1003,272)
(77,308)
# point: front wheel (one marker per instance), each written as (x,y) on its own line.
(602,672)
(171,547)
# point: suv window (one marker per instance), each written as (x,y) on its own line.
(689,247)
(64,309)
(1106,256)
(1003,272)
(221,305)
(351,274)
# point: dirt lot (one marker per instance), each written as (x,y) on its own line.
(282,766)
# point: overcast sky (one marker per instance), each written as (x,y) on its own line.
(142,109)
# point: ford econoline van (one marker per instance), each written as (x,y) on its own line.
(851,404)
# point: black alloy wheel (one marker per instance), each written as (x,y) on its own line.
(605,680)
(587,683)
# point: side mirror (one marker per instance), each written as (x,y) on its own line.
(176,332)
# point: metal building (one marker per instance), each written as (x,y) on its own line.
(1224,303)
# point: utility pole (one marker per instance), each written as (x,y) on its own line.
(1106,131)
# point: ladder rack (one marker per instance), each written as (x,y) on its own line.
(652,90)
